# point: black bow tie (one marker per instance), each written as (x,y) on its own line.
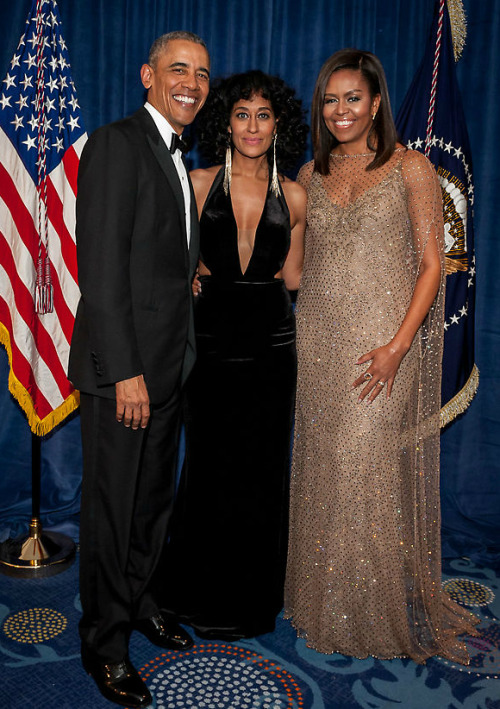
(177,143)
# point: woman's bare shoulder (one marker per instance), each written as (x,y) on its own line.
(204,175)
(293,190)
(202,180)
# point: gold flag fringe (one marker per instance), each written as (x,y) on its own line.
(460,401)
(39,426)
(458,23)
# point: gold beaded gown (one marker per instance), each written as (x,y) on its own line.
(364,558)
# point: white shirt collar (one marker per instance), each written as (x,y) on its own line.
(164,127)
(166,132)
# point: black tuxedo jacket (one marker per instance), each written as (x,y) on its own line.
(135,270)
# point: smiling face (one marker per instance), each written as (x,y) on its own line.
(252,125)
(178,84)
(348,109)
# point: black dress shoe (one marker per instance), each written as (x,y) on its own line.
(164,632)
(117,681)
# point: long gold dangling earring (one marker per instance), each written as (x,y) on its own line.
(275,185)
(228,168)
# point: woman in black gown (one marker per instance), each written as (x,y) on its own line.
(229,537)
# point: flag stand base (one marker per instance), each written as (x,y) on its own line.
(37,555)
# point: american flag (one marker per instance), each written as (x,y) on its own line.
(41,139)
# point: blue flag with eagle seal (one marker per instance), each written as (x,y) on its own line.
(431,120)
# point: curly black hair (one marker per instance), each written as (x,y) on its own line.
(213,119)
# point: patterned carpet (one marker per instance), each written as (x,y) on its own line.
(40,667)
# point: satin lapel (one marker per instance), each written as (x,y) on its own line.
(163,156)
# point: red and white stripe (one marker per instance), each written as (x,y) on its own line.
(39,343)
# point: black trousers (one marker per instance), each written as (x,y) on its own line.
(127,498)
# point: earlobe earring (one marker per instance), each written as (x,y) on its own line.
(374,115)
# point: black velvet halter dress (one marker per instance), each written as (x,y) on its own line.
(227,551)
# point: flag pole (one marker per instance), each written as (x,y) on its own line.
(38,554)
(41,139)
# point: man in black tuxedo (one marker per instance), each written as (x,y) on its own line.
(132,347)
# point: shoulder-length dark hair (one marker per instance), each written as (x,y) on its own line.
(382,129)
(213,119)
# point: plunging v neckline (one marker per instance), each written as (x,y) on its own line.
(238,253)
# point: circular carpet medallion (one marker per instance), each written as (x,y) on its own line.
(35,625)
(468,592)
(220,676)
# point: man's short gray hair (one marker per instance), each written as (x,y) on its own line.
(160,44)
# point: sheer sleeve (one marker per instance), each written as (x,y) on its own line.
(425,212)
(425,204)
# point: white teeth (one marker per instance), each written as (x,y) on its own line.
(343,123)
(184,99)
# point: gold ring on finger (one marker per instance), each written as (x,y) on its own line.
(381,384)
(367,376)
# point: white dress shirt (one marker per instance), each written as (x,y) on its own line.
(166,132)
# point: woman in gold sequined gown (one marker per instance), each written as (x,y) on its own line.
(364,566)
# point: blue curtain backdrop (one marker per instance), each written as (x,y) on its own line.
(108,41)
